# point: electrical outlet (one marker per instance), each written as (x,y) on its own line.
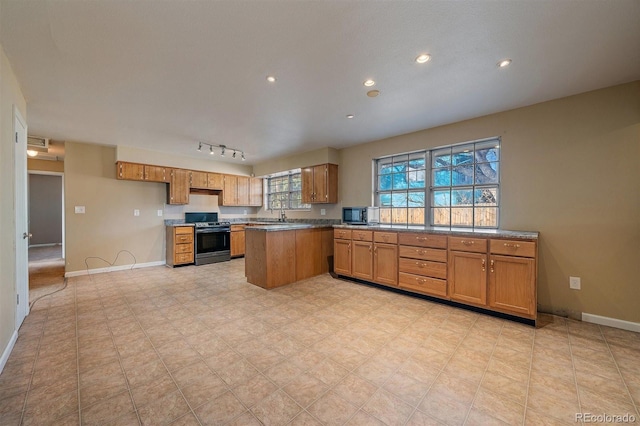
(79,209)
(244,212)
(323,212)
(574,283)
(136,212)
(159,213)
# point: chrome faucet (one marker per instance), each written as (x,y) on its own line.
(283,216)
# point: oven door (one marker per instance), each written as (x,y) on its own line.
(212,246)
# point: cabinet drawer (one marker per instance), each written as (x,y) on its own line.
(435,255)
(433,286)
(183,248)
(342,234)
(362,235)
(475,245)
(183,230)
(184,238)
(385,237)
(513,248)
(183,258)
(237,228)
(423,267)
(423,240)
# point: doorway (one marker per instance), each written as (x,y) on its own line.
(46,225)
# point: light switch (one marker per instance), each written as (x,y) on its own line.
(136,212)
(79,209)
(323,212)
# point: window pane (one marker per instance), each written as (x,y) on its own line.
(400,181)
(441,177)
(384,182)
(385,215)
(462,175)
(462,154)
(416,179)
(486,196)
(384,167)
(416,216)
(417,161)
(441,158)
(440,216)
(399,200)
(487,173)
(442,198)
(462,216)
(385,200)
(416,199)
(486,216)
(462,197)
(399,216)
(487,151)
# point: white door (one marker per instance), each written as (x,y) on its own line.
(22,230)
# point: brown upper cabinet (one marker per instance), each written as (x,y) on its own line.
(204,180)
(255,192)
(178,188)
(157,174)
(236,190)
(320,184)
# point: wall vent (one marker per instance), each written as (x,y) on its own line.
(37,142)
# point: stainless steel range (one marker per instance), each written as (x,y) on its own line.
(213,238)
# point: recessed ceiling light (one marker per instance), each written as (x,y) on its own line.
(504,63)
(373,93)
(350,115)
(369,83)
(421,59)
(271,79)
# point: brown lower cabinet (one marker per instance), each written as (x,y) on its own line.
(237,240)
(491,273)
(180,245)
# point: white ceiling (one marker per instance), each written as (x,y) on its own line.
(163,75)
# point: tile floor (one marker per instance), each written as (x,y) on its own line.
(200,346)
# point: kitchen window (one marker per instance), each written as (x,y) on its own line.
(284,191)
(453,186)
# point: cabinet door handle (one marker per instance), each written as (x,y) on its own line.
(467,243)
(369,248)
(512,245)
(492,270)
(349,247)
(375,250)
(483,265)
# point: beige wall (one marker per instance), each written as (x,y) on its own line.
(109,225)
(570,171)
(45,165)
(10,95)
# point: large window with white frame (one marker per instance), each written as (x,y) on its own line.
(452,186)
(284,191)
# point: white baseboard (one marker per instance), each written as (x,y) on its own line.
(112,269)
(611,322)
(7,350)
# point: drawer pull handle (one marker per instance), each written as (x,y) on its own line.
(512,245)
(421,280)
(420,251)
(421,238)
(420,265)
(467,243)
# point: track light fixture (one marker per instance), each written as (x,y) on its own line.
(223,149)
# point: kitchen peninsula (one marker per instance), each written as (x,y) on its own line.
(283,253)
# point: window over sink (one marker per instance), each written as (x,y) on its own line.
(284,191)
(451,186)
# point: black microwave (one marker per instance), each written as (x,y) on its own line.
(360,215)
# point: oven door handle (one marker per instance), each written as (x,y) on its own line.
(212,231)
